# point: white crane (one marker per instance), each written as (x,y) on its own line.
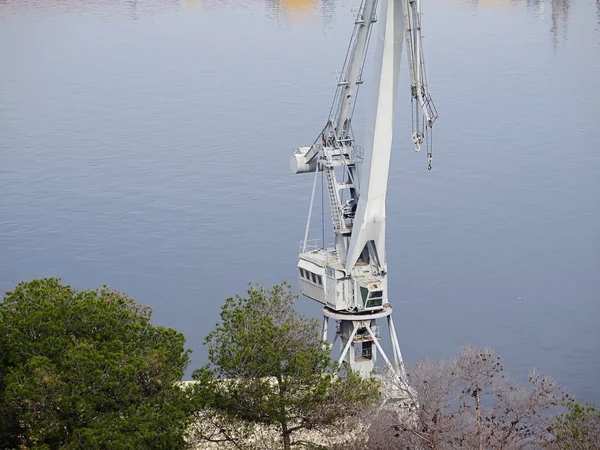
(350,278)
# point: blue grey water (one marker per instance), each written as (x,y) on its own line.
(145,145)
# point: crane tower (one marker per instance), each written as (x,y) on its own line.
(350,277)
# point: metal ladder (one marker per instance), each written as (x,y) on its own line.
(334,203)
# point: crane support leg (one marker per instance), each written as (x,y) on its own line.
(325,327)
(359,343)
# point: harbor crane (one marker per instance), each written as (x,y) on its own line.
(350,277)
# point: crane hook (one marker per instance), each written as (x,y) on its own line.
(429,160)
(417,139)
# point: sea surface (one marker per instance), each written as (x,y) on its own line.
(146,144)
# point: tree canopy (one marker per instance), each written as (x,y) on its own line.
(269,366)
(85,369)
(578,428)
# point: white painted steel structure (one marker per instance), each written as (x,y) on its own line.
(350,278)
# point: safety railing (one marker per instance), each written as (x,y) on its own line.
(313,245)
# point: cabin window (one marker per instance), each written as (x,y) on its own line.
(309,276)
(376,294)
(375,302)
(363,293)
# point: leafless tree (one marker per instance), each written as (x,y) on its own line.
(476,369)
(429,421)
(467,402)
(521,416)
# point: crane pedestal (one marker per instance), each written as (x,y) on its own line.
(359,337)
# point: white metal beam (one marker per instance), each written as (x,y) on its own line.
(369,222)
(379,346)
(349,343)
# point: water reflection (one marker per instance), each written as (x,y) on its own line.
(560,19)
(328,10)
(295,5)
(294,9)
(302,9)
(559,13)
(536,6)
(111,8)
(191,4)
(276,9)
(289,9)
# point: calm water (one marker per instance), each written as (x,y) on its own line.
(145,145)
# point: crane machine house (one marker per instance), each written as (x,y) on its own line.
(350,277)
